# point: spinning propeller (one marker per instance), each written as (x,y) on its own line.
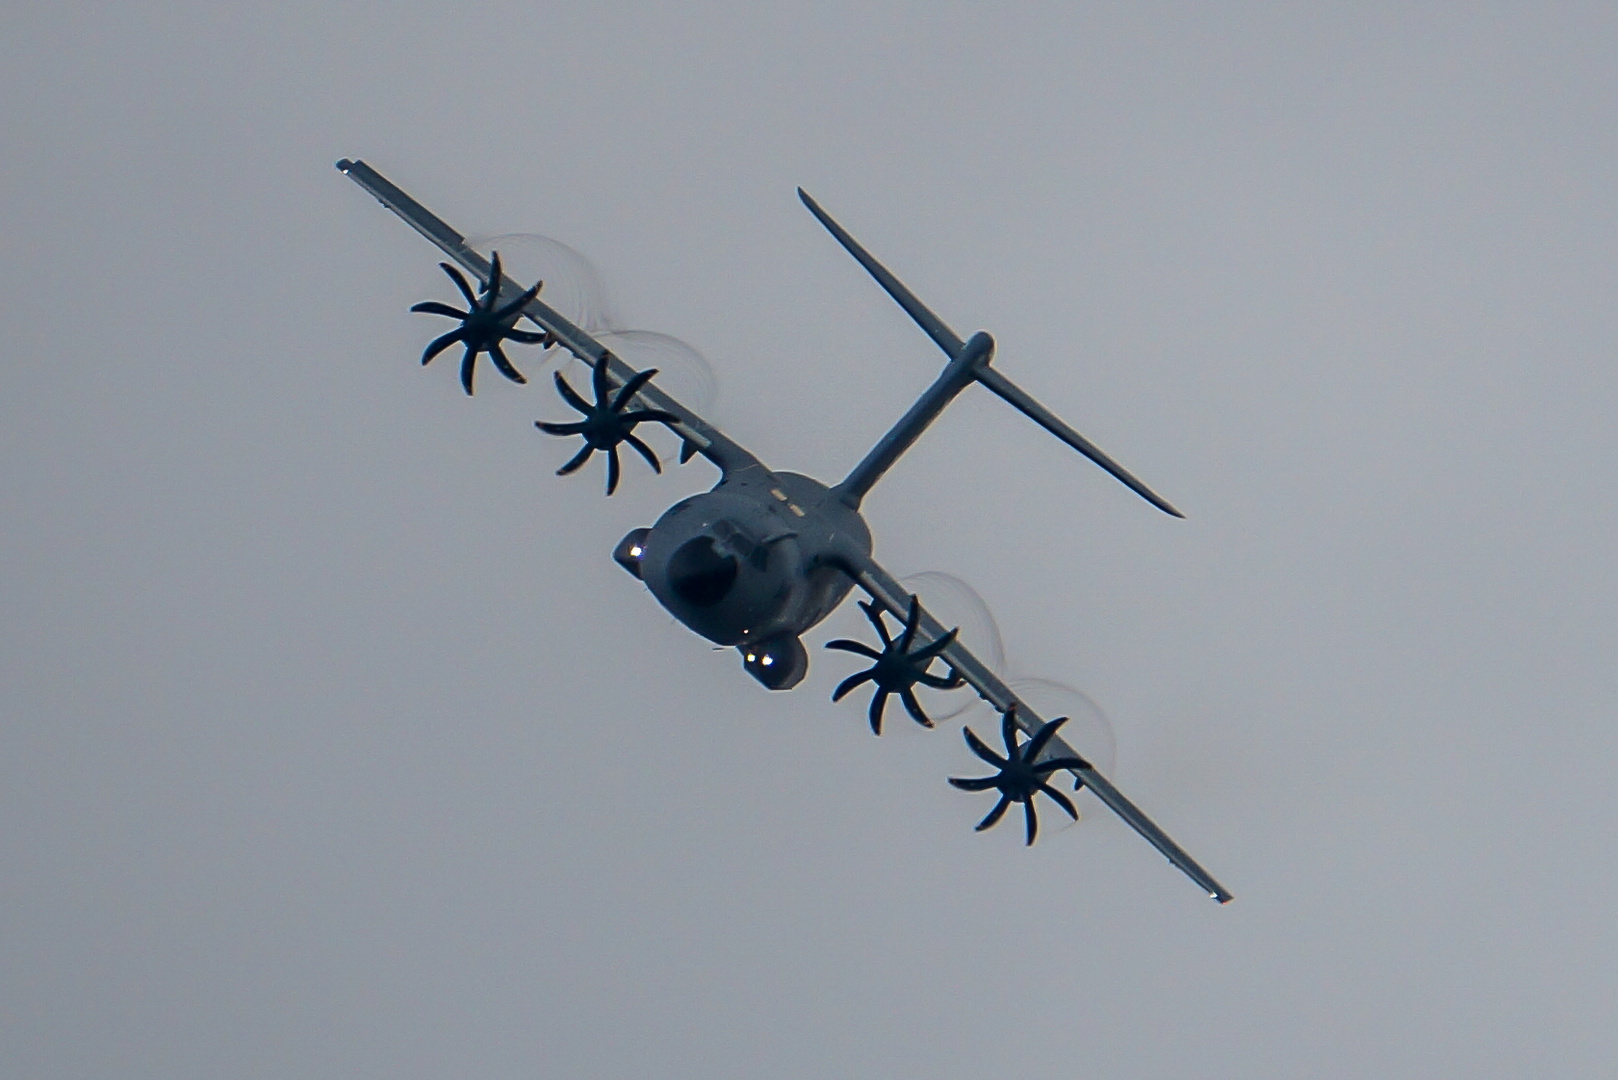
(605,424)
(1019,778)
(483,326)
(898,668)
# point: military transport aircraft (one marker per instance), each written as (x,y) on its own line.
(766,555)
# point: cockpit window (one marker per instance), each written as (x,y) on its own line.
(699,574)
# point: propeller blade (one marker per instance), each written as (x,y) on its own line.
(874,614)
(632,387)
(855,647)
(576,460)
(939,646)
(503,364)
(598,380)
(516,305)
(570,395)
(850,683)
(913,707)
(645,452)
(939,682)
(1061,800)
(549,428)
(879,701)
(459,279)
(982,750)
(439,344)
(1008,732)
(912,620)
(1030,752)
(491,286)
(994,815)
(644,416)
(433,307)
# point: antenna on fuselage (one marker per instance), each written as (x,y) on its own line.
(969,363)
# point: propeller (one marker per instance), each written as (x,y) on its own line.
(605,423)
(483,325)
(952,602)
(1019,778)
(898,668)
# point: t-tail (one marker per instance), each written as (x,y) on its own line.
(968,363)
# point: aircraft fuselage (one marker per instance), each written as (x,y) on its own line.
(753,563)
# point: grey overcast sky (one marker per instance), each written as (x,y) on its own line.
(332,743)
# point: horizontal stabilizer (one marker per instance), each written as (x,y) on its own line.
(908,429)
(947,339)
(1052,423)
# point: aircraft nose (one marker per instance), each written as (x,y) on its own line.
(699,574)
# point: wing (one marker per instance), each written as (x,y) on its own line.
(891,595)
(696,434)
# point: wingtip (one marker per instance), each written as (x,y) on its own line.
(1157,500)
(1148,494)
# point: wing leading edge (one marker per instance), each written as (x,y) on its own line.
(891,595)
(698,436)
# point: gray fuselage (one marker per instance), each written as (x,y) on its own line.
(753,563)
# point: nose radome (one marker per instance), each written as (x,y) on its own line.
(699,574)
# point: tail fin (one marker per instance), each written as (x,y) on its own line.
(969,362)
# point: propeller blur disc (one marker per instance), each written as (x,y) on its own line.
(1087,730)
(682,372)
(572,286)
(954,603)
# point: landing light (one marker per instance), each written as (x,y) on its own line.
(635,551)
